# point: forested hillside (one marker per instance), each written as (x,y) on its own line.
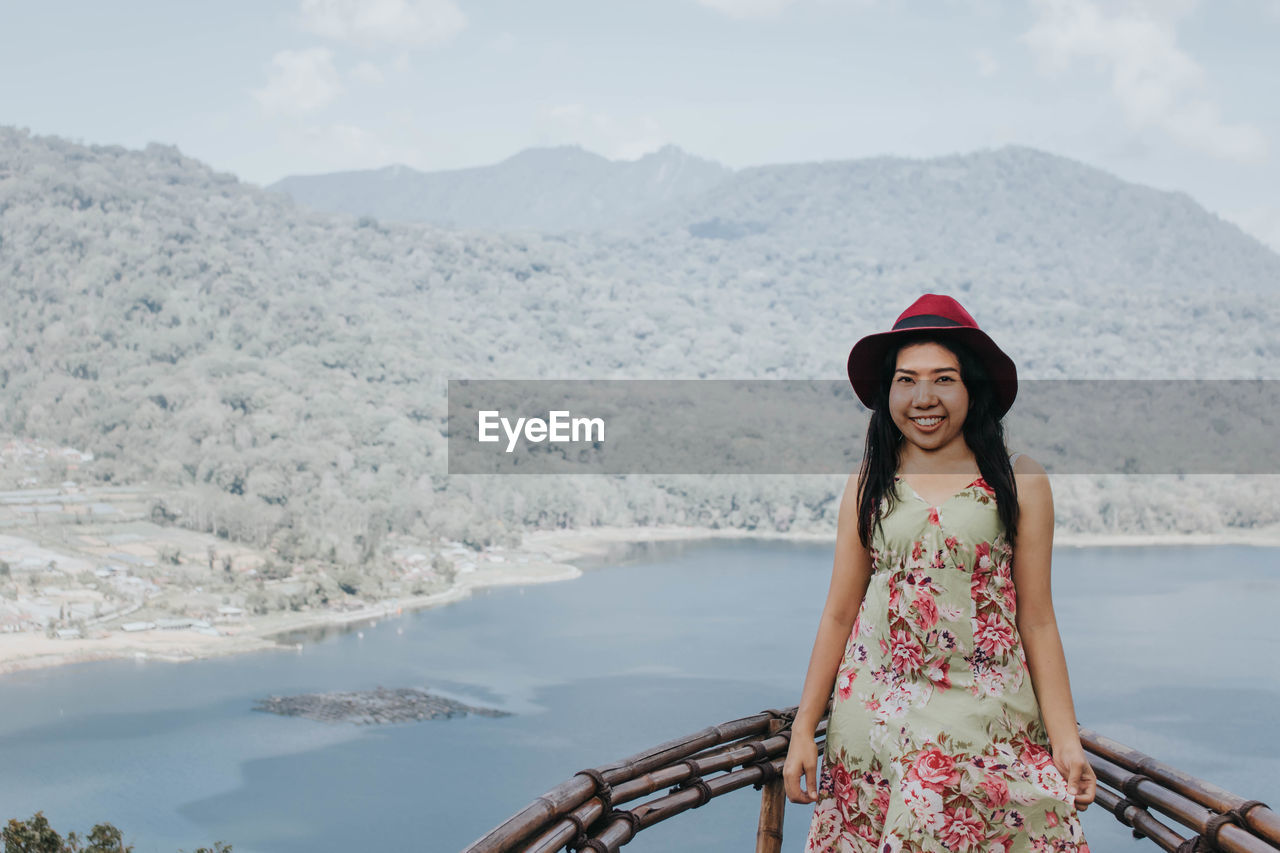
(283,371)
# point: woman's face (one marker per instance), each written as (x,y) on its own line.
(927,399)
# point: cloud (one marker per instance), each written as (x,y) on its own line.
(301,81)
(372,22)
(1157,84)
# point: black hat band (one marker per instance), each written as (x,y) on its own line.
(925,320)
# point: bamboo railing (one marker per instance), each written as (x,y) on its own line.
(583,813)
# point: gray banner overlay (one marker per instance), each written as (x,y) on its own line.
(784,426)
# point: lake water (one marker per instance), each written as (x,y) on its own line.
(1173,651)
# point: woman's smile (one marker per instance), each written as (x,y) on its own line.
(928,424)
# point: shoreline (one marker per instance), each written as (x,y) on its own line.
(558,553)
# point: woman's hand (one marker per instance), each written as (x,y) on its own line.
(1074,766)
(802,762)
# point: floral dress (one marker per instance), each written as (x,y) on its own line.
(935,740)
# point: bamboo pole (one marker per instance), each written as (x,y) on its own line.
(1261,821)
(574,792)
(1145,791)
(772,807)
(1139,818)
(561,832)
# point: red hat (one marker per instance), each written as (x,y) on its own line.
(941,314)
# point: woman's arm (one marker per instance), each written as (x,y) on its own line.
(1038,627)
(849,578)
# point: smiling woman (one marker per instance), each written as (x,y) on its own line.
(951,724)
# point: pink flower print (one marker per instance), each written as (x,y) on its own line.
(952,542)
(1002,844)
(925,802)
(962,829)
(842,785)
(935,769)
(940,674)
(1035,755)
(978,588)
(1050,779)
(1010,598)
(844,683)
(933,516)
(982,557)
(926,611)
(881,804)
(908,654)
(1050,817)
(917,550)
(996,791)
(993,634)
(985,486)
(825,827)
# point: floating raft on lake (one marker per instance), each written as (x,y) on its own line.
(372,707)
(1168,808)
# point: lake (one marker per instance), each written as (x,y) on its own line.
(1172,650)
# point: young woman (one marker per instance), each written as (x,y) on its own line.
(952,725)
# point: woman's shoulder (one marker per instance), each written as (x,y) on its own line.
(1026,464)
(1032,483)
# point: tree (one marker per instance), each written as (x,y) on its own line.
(34,835)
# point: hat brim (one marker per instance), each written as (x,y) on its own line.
(868,354)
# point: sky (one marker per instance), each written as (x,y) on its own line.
(1174,94)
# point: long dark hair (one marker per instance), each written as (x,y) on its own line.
(983,432)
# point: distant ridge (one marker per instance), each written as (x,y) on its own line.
(996,215)
(565,188)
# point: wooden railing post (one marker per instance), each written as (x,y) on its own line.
(773,803)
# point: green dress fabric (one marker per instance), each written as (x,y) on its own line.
(935,740)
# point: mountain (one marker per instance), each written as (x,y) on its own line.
(1047,213)
(284,370)
(545,189)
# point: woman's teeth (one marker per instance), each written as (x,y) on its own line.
(927,421)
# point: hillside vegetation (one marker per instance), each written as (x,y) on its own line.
(283,371)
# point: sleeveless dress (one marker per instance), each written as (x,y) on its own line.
(935,740)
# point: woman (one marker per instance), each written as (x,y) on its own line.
(952,725)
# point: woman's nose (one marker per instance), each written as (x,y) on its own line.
(924,394)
